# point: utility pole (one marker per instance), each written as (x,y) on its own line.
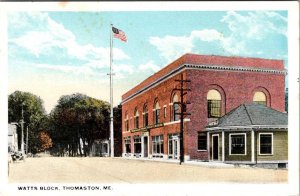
(182,113)
(22,134)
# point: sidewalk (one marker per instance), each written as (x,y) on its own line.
(209,164)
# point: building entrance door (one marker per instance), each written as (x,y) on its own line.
(145,146)
(215,147)
(173,147)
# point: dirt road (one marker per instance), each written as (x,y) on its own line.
(118,170)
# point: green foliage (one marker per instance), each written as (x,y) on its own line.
(78,119)
(33,113)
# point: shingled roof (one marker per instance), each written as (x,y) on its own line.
(253,114)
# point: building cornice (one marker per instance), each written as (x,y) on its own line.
(201,67)
(248,127)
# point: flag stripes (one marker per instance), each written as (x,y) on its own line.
(119,34)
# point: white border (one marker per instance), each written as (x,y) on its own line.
(230,134)
(272,152)
(292,188)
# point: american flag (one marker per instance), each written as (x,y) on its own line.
(119,34)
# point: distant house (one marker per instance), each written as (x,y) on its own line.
(100,148)
(12,138)
(250,134)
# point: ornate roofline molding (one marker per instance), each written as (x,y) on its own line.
(247,127)
(201,67)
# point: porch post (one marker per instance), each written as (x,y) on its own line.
(208,146)
(252,145)
(223,146)
(142,143)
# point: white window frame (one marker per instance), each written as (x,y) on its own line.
(230,134)
(271,141)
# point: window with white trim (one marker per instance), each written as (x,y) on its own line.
(237,144)
(136,118)
(265,143)
(157,146)
(126,122)
(137,144)
(175,115)
(202,141)
(156,113)
(145,116)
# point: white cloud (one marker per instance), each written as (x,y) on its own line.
(78,70)
(243,30)
(149,66)
(49,35)
(207,35)
(172,46)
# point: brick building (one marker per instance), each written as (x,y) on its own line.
(150,126)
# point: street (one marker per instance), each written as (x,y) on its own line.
(118,170)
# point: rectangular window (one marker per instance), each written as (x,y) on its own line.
(126,125)
(136,122)
(265,143)
(165,112)
(214,108)
(157,146)
(127,142)
(156,116)
(202,141)
(145,119)
(237,144)
(137,145)
(176,116)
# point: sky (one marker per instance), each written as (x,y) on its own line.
(51,54)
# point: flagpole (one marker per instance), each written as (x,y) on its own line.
(111,97)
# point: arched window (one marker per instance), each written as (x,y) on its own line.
(126,122)
(145,116)
(214,102)
(136,118)
(175,115)
(156,113)
(260,98)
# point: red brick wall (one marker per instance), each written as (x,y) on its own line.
(209,60)
(235,87)
(238,88)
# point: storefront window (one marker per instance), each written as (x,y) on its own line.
(137,145)
(157,146)
(127,142)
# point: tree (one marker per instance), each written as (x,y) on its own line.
(34,115)
(77,121)
(45,141)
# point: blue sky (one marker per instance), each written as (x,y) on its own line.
(58,53)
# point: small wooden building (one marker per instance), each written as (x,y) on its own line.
(250,134)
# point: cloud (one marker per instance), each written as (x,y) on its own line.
(207,35)
(242,31)
(43,35)
(171,47)
(149,66)
(77,70)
